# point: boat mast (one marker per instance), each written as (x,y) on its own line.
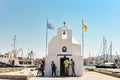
(106,55)
(14,44)
(103,50)
(111,51)
(14,47)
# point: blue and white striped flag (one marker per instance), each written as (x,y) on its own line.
(50,26)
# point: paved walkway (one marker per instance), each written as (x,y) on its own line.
(87,76)
(23,74)
(25,71)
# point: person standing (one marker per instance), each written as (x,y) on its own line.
(66,67)
(42,68)
(53,66)
(73,67)
(39,69)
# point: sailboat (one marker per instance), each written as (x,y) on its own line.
(106,56)
(106,65)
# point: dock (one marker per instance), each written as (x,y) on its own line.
(30,74)
(111,72)
(23,74)
(88,75)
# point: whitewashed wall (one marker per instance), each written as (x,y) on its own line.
(55,47)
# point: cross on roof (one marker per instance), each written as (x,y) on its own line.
(64,23)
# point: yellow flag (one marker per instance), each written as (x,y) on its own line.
(84,27)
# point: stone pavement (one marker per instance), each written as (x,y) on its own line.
(21,75)
(88,75)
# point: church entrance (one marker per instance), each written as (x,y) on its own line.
(62,73)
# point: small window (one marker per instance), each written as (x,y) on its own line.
(64,49)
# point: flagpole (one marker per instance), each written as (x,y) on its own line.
(82,45)
(82,40)
(46,38)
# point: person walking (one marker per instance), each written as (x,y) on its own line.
(39,69)
(53,66)
(73,67)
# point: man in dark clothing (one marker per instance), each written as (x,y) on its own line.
(42,68)
(73,67)
(53,66)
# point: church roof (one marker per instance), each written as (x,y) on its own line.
(74,41)
(65,27)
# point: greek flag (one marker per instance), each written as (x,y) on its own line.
(50,26)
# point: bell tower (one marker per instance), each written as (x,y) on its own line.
(65,33)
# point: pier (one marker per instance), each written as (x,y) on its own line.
(91,74)
(111,72)
(88,75)
(17,74)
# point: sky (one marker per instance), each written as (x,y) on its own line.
(27,20)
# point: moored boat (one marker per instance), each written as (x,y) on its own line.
(11,58)
(106,65)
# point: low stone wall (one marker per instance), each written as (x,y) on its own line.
(14,77)
(12,74)
(107,72)
(3,70)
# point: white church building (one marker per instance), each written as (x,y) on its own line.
(62,46)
